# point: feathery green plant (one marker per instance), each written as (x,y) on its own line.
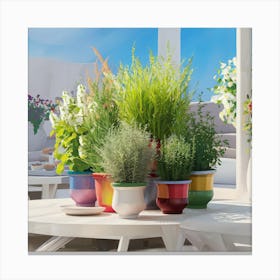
(175,161)
(98,125)
(155,96)
(103,91)
(127,153)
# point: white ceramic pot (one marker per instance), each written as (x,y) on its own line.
(128,200)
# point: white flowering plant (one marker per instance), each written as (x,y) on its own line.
(69,126)
(225,91)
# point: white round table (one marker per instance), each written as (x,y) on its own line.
(219,227)
(47,218)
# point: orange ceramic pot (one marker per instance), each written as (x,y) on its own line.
(104,191)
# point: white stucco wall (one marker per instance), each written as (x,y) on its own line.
(49,77)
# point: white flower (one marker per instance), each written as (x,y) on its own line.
(79,119)
(67,99)
(81,92)
(223,95)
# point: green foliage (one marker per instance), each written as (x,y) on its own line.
(175,161)
(127,154)
(69,126)
(155,96)
(208,146)
(106,116)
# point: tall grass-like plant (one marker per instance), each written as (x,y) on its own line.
(175,161)
(127,154)
(155,96)
(106,114)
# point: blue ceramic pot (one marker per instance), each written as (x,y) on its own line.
(82,188)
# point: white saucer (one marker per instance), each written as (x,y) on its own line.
(78,210)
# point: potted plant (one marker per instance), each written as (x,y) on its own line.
(69,128)
(175,164)
(208,148)
(105,116)
(126,156)
(155,96)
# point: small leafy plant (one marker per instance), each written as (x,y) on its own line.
(208,146)
(175,161)
(69,128)
(127,154)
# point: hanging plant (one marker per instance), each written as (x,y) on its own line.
(39,110)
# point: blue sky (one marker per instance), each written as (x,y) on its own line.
(207,46)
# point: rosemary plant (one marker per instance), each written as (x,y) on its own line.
(175,161)
(127,154)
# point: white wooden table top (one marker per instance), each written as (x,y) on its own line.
(221,217)
(40,180)
(49,211)
(46,217)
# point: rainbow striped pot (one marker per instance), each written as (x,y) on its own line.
(104,191)
(82,189)
(201,189)
(172,196)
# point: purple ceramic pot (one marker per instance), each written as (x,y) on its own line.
(82,188)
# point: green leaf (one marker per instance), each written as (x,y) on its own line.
(60,168)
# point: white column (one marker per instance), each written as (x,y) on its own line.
(171,36)
(244,87)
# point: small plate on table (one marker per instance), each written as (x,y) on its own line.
(81,211)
